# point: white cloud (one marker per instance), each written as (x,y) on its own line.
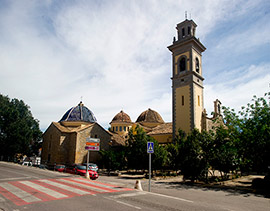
(238,92)
(112,53)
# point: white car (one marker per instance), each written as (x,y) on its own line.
(26,163)
(92,166)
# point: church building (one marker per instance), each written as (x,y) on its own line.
(187,82)
(64,141)
(149,120)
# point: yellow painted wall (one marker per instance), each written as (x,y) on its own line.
(121,124)
(176,61)
(163,138)
(198,106)
(182,112)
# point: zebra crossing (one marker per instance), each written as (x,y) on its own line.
(34,191)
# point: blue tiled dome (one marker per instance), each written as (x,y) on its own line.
(80,113)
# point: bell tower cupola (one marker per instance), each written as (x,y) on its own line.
(187,78)
(186,29)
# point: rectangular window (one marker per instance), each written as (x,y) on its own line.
(116,128)
(188,30)
(112,128)
(183,32)
(125,129)
(120,128)
(199,104)
(183,100)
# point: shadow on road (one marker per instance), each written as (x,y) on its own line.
(230,189)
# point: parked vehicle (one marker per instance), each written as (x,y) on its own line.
(26,163)
(60,168)
(92,166)
(70,169)
(42,166)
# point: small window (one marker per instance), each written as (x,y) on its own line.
(120,128)
(199,104)
(183,100)
(112,128)
(183,32)
(188,31)
(197,65)
(116,128)
(125,128)
(182,65)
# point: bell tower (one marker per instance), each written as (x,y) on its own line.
(187,79)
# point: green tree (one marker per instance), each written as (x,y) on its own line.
(223,154)
(159,157)
(191,157)
(136,147)
(136,151)
(114,159)
(19,131)
(250,130)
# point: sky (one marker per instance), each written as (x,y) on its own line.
(113,54)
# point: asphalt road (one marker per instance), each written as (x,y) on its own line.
(28,188)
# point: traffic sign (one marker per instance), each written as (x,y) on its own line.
(92,148)
(92,144)
(150,147)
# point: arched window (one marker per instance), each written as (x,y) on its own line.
(182,64)
(197,65)
(183,32)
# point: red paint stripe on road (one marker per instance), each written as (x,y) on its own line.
(93,185)
(32,191)
(16,200)
(106,184)
(65,192)
(74,185)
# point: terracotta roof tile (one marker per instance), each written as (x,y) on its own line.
(165,128)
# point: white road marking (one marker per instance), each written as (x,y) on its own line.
(40,188)
(129,205)
(84,186)
(171,197)
(128,195)
(19,193)
(95,183)
(65,187)
(124,203)
(15,178)
(2,199)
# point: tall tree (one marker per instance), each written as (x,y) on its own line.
(250,130)
(19,131)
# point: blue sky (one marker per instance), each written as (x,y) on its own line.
(113,54)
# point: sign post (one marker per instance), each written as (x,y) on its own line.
(150,150)
(92,144)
